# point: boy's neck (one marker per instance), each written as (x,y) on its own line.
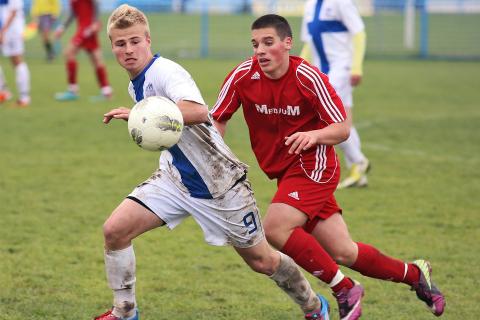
(134,74)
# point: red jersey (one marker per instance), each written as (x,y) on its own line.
(84,11)
(301,100)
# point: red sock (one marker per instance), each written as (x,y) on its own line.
(304,249)
(345,283)
(374,264)
(413,274)
(102,76)
(72,72)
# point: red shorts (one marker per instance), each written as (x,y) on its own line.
(90,43)
(314,199)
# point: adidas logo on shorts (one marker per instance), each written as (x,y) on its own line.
(294,195)
(256,76)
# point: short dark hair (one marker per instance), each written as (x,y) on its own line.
(279,23)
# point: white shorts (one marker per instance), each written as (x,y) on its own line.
(232,218)
(339,78)
(13,44)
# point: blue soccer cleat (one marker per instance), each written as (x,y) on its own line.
(322,313)
(66,96)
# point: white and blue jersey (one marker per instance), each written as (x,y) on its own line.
(328,25)
(200,163)
(6,8)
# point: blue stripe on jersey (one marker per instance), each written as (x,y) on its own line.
(190,176)
(140,80)
(316,28)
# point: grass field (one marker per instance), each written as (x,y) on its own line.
(62,172)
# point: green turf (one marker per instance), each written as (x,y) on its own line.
(62,172)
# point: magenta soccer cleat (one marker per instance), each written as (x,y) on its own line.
(350,302)
(426,289)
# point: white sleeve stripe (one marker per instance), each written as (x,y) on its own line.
(319,79)
(322,93)
(319,84)
(226,107)
(320,97)
(227,85)
(223,93)
(239,68)
(221,97)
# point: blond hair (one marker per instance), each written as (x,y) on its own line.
(126,16)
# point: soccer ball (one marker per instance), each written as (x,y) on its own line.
(155,123)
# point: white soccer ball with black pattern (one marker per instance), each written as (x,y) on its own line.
(155,123)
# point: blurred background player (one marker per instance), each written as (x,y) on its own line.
(12,23)
(86,38)
(45,14)
(334,36)
(295,118)
(198,177)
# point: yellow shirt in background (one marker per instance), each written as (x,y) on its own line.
(44,7)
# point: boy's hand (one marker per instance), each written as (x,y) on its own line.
(355,79)
(117,113)
(301,141)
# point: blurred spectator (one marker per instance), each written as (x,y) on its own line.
(12,23)
(334,36)
(45,14)
(86,37)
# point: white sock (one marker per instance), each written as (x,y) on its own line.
(22,75)
(73,88)
(336,279)
(106,91)
(292,281)
(351,148)
(120,268)
(3,84)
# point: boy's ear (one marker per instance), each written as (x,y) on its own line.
(288,43)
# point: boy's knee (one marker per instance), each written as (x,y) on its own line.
(345,256)
(262,265)
(113,235)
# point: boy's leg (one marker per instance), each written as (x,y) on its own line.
(128,220)
(101,72)
(72,67)
(286,274)
(4,91)
(307,252)
(334,236)
(72,70)
(22,77)
(3,84)
(355,159)
(369,261)
(120,269)
(282,226)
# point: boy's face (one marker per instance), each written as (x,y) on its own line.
(272,52)
(131,47)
